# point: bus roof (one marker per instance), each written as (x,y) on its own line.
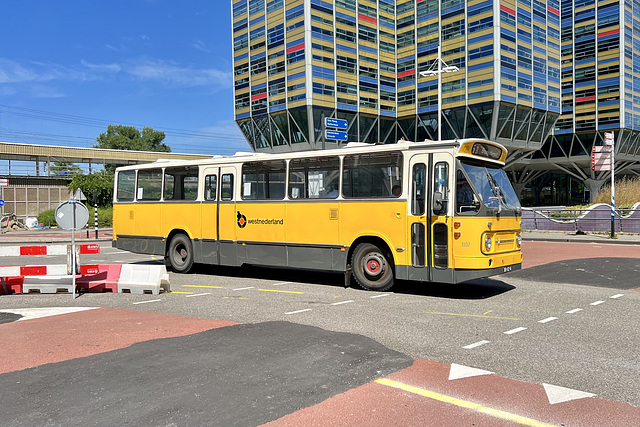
(350,148)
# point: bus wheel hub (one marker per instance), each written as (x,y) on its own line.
(373,264)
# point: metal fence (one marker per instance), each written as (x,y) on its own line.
(596,218)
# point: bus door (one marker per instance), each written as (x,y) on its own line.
(428,212)
(227,217)
(440,214)
(209,217)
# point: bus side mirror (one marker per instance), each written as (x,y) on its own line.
(437,202)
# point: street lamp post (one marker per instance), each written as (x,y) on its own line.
(437,68)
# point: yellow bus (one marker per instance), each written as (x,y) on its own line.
(419,211)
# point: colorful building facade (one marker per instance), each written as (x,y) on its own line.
(533,75)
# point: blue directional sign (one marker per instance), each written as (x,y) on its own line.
(335,123)
(1,202)
(335,135)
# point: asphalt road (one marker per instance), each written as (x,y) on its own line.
(571,323)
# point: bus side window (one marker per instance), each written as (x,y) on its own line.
(441,187)
(314,178)
(418,189)
(226,191)
(210,186)
(181,183)
(371,175)
(263,180)
(149,184)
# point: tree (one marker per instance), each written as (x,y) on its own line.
(101,181)
(120,137)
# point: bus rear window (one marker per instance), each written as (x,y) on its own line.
(372,175)
(126,186)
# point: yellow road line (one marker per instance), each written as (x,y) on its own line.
(471,315)
(201,286)
(464,404)
(282,292)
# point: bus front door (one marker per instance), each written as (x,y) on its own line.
(428,213)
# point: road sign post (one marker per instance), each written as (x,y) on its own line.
(72,215)
(609,140)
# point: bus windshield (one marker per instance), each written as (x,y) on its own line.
(492,185)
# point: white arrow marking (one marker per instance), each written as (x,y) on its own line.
(37,313)
(460,371)
(557,394)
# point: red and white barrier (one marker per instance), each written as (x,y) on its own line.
(137,279)
(89,249)
(130,278)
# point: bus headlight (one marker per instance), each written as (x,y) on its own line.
(487,243)
(519,239)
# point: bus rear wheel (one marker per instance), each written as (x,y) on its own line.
(371,268)
(180,254)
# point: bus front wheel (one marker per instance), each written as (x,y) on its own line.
(180,254)
(371,268)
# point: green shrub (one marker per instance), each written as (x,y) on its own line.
(105,217)
(47,218)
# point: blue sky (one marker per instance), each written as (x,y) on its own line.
(69,68)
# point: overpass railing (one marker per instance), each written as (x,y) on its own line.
(594,219)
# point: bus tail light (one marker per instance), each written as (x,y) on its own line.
(487,243)
(457,234)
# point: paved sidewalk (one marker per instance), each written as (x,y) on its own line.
(53,235)
(566,236)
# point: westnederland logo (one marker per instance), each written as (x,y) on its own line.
(242,220)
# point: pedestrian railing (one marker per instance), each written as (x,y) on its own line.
(596,218)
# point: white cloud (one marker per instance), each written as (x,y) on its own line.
(102,68)
(171,74)
(199,44)
(12,72)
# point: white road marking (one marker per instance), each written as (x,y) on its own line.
(281,283)
(516,330)
(342,302)
(198,295)
(299,311)
(37,313)
(145,302)
(597,303)
(474,345)
(460,371)
(575,310)
(616,296)
(243,289)
(547,320)
(380,296)
(557,394)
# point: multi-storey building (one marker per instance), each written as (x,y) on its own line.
(297,62)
